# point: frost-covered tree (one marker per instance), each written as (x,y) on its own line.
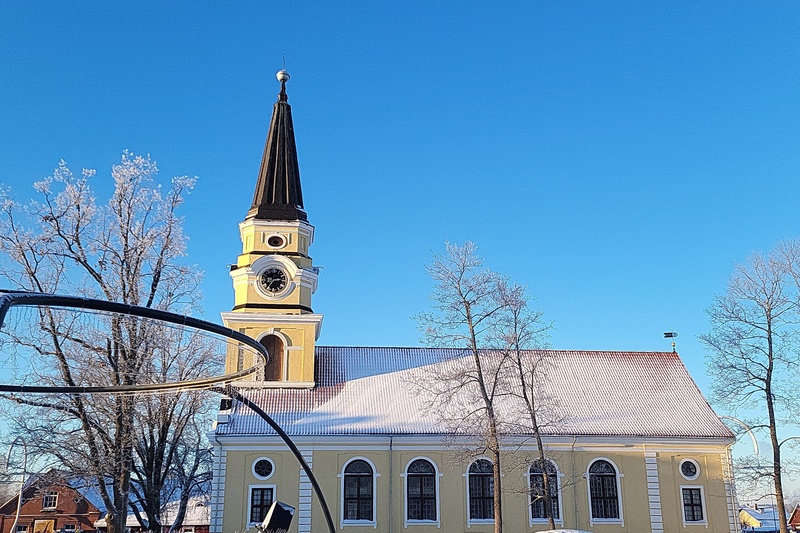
(466,301)
(755,349)
(521,334)
(130,249)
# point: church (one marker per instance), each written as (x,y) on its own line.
(639,451)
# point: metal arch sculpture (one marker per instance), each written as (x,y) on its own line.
(219,384)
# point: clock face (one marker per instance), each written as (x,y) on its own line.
(273,280)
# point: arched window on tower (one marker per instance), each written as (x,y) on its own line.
(273,371)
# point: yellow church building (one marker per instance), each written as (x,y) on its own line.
(639,450)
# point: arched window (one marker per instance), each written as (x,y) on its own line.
(421,490)
(539,469)
(273,371)
(603,490)
(358,491)
(481,490)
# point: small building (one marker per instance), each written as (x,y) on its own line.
(50,503)
(794,518)
(196,519)
(759,519)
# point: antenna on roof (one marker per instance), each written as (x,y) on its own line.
(671,335)
(284,61)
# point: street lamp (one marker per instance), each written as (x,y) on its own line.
(22,481)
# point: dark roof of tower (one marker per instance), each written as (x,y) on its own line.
(278,195)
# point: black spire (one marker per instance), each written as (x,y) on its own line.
(278,194)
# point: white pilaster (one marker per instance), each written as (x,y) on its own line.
(653,492)
(218,488)
(304,506)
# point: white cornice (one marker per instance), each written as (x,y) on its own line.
(300,225)
(260,318)
(436,442)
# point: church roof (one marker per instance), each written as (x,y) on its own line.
(369,390)
(278,195)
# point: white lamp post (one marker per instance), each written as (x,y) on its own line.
(22,481)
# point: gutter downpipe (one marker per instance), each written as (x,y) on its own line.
(574,485)
(391,483)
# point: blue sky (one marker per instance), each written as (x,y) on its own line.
(618,158)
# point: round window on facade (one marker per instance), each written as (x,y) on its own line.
(263,468)
(276,241)
(689,469)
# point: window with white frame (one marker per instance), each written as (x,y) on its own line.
(603,491)
(481,490)
(69,528)
(421,491)
(358,491)
(692,499)
(261,498)
(22,529)
(540,472)
(50,500)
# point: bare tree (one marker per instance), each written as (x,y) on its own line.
(129,250)
(754,347)
(522,334)
(466,301)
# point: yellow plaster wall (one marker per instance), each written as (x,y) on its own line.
(328,465)
(299,348)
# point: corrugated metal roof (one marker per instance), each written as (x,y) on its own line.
(371,390)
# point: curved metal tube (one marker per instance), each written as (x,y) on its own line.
(9,299)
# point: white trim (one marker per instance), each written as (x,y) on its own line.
(437,481)
(696,469)
(232,318)
(592,520)
(704,521)
(426,443)
(284,237)
(271,473)
(50,494)
(533,521)
(250,500)
(375,476)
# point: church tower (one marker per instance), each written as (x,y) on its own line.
(274,277)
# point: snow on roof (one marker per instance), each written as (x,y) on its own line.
(369,390)
(198,513)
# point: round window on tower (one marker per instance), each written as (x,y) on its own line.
(276,241)
(689,469)
(263,468)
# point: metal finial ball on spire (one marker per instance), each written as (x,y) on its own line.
(282,76)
